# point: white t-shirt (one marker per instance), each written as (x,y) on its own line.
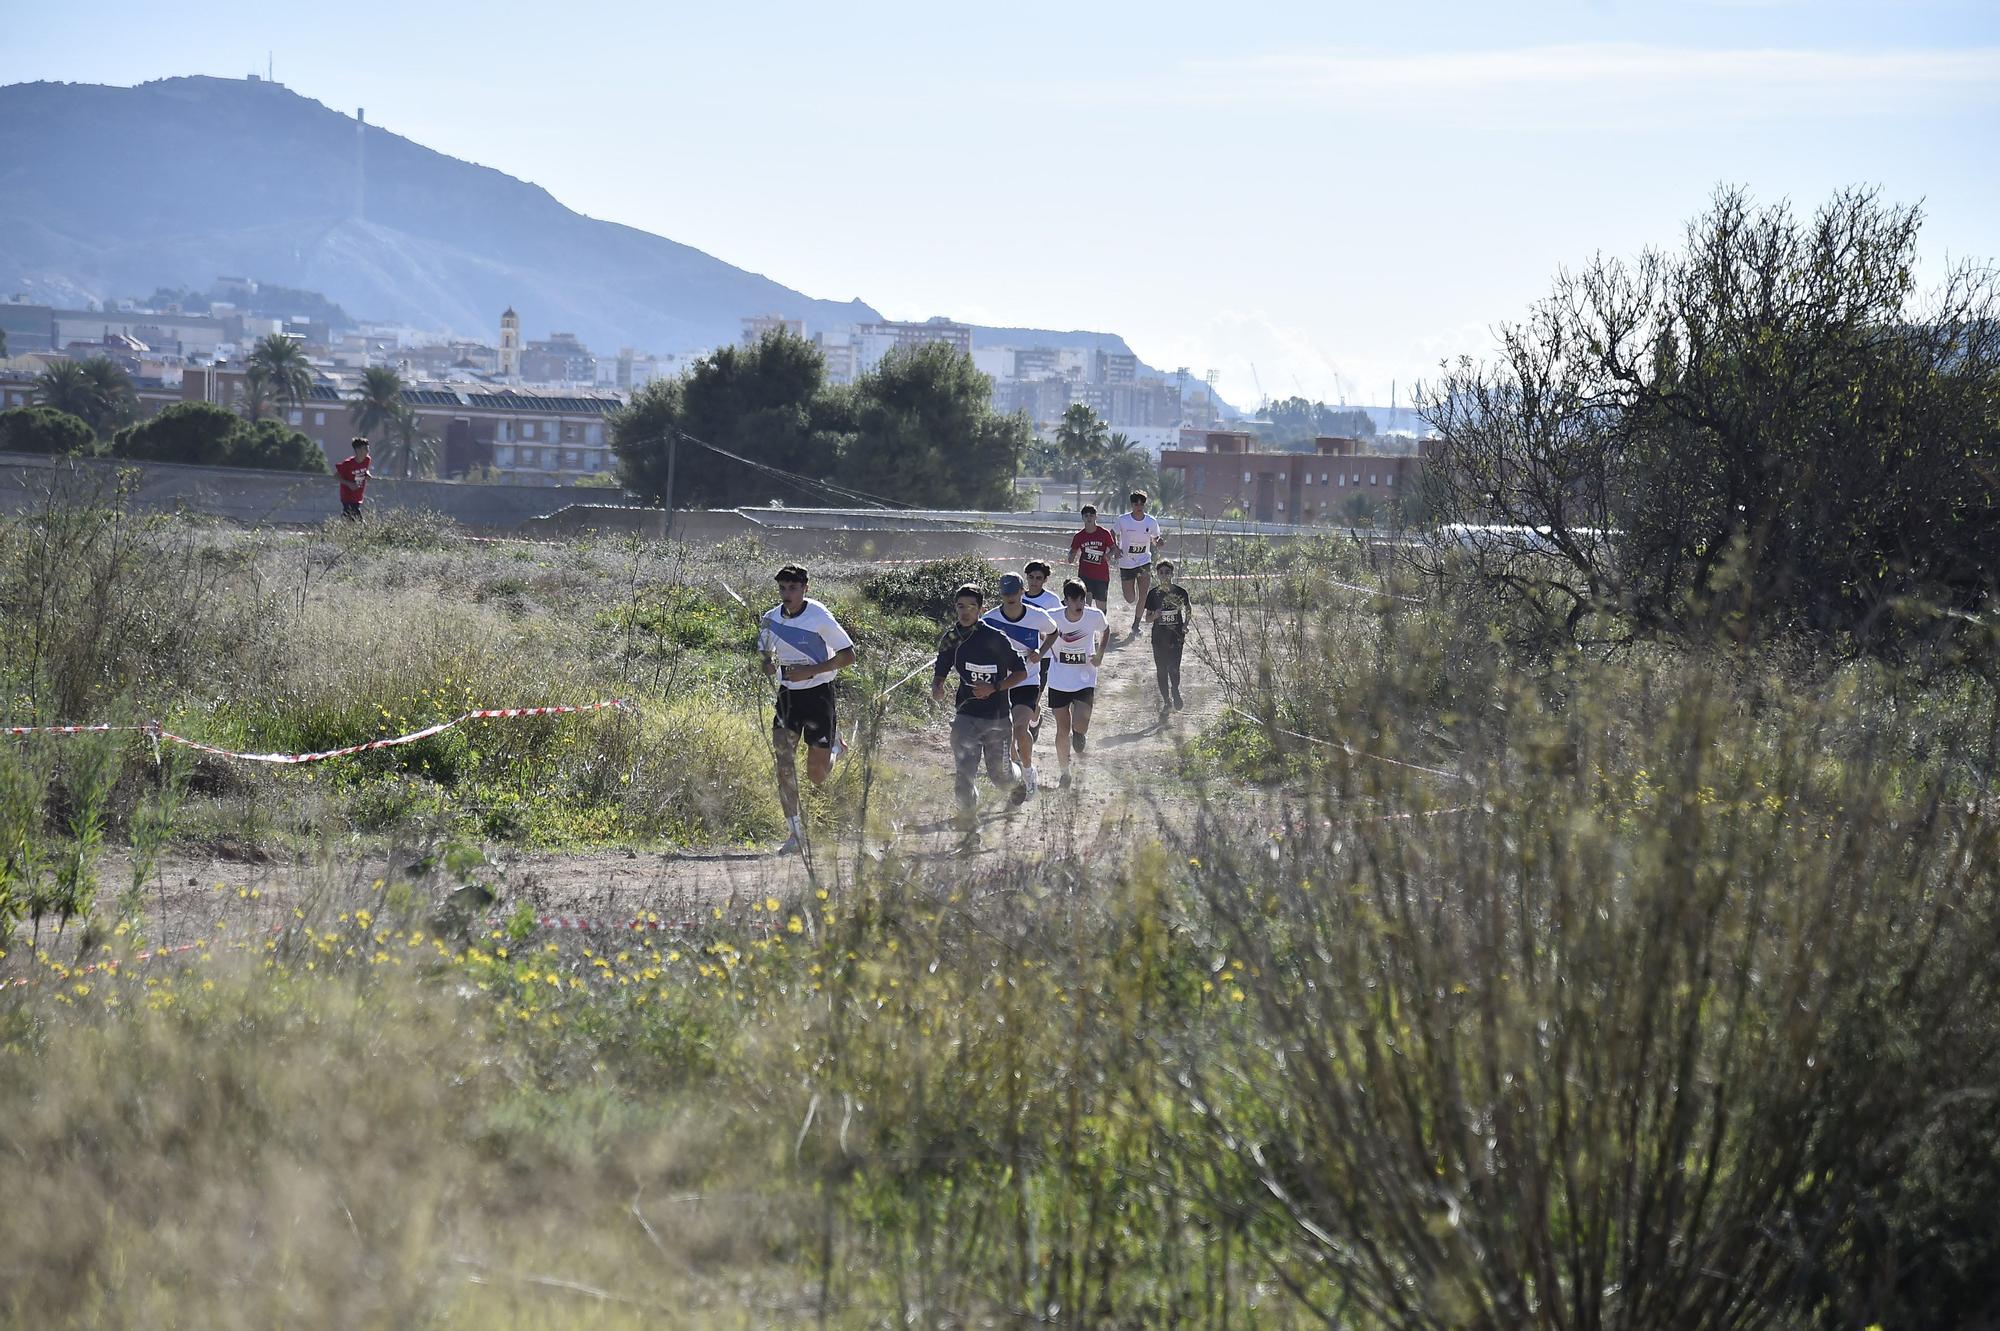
(1075,648)
(807,638)
(1043,600)
(1025,633)
(1136,537)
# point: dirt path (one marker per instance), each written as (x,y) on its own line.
(1127,783)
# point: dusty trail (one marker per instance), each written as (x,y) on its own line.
(1127,785)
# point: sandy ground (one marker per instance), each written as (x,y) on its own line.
(1126,786)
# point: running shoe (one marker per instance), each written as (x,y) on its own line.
(793,846)
(1019,795)
(1179,706)
(1078,739)
(1064,783)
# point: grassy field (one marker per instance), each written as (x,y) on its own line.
(1468,991)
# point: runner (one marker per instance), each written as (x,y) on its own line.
(1138,536)
(987,667)
(1091,550)
(805,647)
(1038,596)
(1031,630)
(1082,634)
(1169,610)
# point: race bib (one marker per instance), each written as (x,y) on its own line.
(1072,658)
(1135,549)
(981,674)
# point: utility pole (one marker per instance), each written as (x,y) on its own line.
(673,447)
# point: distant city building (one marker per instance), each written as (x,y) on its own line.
(510,345)
(839,357)
(874,341)
(1114,367)
(1341,480)
(28,327)
(525,438)
(757,325)
(559,359)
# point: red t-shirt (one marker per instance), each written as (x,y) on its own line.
(353,473)
(1094,545)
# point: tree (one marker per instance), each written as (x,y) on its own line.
(1293,423)
(209,434)
(275,446)
(756,402)
(3,344)
(45,430)
(378,402)
(921,428)
(64,387)
(117,402)
(1768,430)
(1169,491)
(95,390)
(410,449)
(1120,468)
(279,366)
(1080,437)
(256,399)
(197,432)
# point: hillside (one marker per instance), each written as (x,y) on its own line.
(108,192)
(114,191)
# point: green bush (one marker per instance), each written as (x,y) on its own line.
(212,435)
(45,430)
(926,589)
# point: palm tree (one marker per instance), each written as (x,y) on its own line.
(117,402)
(64,386)
(410,448)
(1080,437)
(1169,490)
(281,362)
(96,390)
(379,401)
(1120,467)
(256,393)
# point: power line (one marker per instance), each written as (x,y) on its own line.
(809,484)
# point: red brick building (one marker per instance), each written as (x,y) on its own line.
(1339,481)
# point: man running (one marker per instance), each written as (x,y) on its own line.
(988,667)
(1138,534)
(1169,610)
(1031,630)
(1037,594)
(1082,634)
(805,647)
(1091,550)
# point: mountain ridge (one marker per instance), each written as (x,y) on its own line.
(90,205)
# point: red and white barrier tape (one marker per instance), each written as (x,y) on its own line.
(160,735)
(112,965)
(638,924)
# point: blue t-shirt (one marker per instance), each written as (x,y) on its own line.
(980,655)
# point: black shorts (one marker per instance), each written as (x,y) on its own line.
(1061,698)
(1025,695)
(350,508)
(1132,574)
(1095,587)
(809,713)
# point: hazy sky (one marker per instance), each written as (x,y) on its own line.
(1336,194)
